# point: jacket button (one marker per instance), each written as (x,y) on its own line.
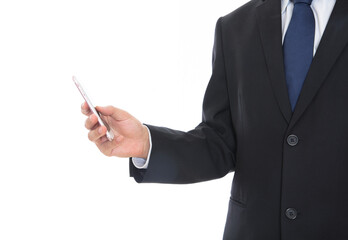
(292,140)
(291,213)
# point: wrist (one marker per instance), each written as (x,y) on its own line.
(146,143)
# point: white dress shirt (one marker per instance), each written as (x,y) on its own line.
(322,10)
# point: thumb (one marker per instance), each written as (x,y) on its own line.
(115,113)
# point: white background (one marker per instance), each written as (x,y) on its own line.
(151,58)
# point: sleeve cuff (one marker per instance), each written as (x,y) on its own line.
(142,163)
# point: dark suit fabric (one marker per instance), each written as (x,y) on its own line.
(247,119)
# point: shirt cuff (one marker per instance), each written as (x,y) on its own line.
(142,163)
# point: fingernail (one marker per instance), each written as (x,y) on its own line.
(100,130)
(83,104)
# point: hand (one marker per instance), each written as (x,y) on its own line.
(131,137)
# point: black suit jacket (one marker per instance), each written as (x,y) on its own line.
(247,121)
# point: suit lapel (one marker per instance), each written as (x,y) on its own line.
(269,22)
(333,41)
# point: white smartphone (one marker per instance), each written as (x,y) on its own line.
(109,133)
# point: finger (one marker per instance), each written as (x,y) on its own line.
(115,113)
(91,122)
(85,109)
(105,146)
(102,140)
(97,133)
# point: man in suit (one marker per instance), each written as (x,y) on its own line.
(272,113)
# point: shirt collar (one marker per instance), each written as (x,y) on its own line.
(284,5)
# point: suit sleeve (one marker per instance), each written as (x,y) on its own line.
(204,153)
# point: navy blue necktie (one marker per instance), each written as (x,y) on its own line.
(298,48)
